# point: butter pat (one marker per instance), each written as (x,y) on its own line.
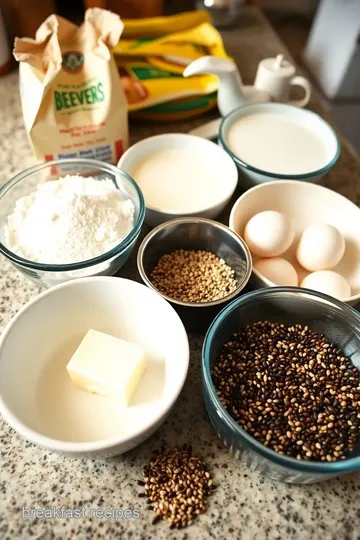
(108,366)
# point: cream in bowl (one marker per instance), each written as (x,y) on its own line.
(271,140)
(180,175)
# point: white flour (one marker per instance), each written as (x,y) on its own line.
(69,220)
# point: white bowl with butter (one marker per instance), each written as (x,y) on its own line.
(274,141)
(39,399)
(180,175)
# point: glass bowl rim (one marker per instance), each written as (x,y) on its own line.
(178,221)
(228,119)
(343,466)
(116,250)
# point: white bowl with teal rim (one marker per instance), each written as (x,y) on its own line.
(271,148)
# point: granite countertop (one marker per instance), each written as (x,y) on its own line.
(245,505)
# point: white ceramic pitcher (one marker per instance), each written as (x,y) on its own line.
(232,93)
(277,76)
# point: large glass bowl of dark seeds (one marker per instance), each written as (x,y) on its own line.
(281,383)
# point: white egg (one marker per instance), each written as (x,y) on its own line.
(269,234)
(320,247)
(327,282)
(278,271)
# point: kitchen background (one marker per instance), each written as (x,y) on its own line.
(323,36)
(246,504)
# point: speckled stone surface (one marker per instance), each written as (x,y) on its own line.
(245,505)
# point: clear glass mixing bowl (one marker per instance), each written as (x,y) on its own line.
(24,183)
(339,322)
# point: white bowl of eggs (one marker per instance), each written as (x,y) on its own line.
(302,235)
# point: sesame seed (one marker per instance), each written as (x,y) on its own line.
(186,482)
(193,276)
(310,402)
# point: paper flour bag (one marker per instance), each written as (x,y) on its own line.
(72,99)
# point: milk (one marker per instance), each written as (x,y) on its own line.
(277,144)
(180,181)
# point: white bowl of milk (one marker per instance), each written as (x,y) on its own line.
(180,175)
(273,141)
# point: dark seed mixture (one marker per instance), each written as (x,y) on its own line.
(193,276)
(291,389)
(176,485)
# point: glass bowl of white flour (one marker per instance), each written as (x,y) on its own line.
(70,218)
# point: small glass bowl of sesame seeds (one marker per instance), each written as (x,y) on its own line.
(281,383)
(197,264)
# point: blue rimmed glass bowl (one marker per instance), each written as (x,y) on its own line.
(24,183)
(339,322)
(250,175)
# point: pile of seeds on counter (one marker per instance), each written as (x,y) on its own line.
(291,389)
(176,485)
(193,276)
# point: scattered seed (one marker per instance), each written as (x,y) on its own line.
(187,483)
